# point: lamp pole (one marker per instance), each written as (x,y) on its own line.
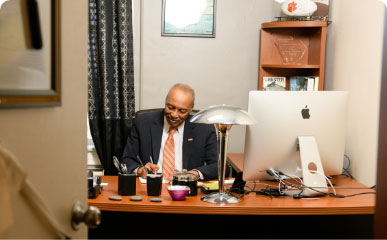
(223,117)
(223,131)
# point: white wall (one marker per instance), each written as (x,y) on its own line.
(353,63)
(225,68)
(50,142)
(222,70)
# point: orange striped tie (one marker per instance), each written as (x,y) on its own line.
(169,155)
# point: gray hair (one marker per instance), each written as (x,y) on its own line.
(184,87)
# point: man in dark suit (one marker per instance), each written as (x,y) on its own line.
(153,134)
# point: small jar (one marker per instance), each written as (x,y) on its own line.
(186,179)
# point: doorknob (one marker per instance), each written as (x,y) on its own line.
(91,216)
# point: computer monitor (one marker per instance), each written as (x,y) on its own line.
(282,117)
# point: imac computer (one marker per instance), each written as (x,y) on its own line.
(298,133)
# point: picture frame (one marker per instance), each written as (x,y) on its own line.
(30,71)
(188,18)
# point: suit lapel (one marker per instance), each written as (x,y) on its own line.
(188,138)
(156,134)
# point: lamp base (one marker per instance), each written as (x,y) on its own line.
(220,198)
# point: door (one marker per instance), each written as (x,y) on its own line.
(50,143)
(380,219)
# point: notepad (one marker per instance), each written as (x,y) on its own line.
(226,181)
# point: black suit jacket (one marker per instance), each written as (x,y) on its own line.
(199,144)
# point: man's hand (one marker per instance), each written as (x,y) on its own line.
(195,173)
(143,171)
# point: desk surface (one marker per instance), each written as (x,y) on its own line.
(236,161)
(251,204)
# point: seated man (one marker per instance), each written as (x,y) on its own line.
(171,141)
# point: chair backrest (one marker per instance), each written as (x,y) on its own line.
(194,111)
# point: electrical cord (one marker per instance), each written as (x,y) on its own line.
(346,169)
(351,195)
(271,192)
(303,185)
(235,188)
(329,181)
(330,194)
(277,191)
(281,180)
(268,191)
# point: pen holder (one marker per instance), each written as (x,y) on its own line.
(154,184)
(126,184)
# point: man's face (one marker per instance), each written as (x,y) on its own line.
(178,107)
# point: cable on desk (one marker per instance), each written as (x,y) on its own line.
(235,188)
(255,184)
(368,188)
(250,190)
(284,184)
(329,194)
(346,169)
(301,187)
(351,195)
(327,179)
(271,192)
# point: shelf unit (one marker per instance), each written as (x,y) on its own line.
(311,37)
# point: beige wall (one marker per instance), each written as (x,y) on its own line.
(225,68)
(221,69)
(353,63)
(50,142)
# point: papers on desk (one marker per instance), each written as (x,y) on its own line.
(227,181)
(142,180)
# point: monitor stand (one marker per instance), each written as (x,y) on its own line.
(312,170)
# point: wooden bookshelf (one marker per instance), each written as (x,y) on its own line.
(302,43)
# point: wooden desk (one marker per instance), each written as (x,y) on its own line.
(251,204)
(254,217)
(236,161)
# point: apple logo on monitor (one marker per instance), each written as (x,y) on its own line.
(305,113)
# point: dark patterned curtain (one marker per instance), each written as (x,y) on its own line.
(111,85)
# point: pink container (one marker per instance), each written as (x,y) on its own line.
(178,192)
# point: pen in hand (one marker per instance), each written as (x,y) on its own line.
(139,159)
(152,162)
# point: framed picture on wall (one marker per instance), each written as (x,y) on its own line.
(29,53)
(188,18)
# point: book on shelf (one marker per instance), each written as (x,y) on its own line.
(274,84)
(316,83)
(309,83)
(303,83)
(297,83)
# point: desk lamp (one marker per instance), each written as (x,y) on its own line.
(223,117)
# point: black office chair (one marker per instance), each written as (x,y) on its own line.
(194,111)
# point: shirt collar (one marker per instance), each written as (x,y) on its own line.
(179,128)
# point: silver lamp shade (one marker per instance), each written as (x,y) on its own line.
(223,114)
(223,117)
